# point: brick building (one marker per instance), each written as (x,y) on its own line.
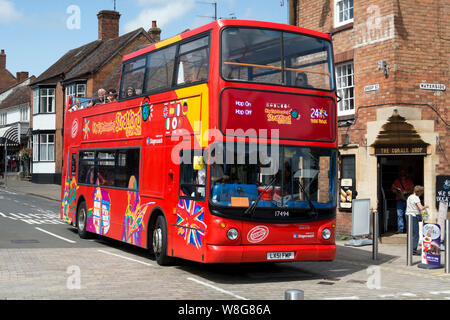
(80,72)
(6,78)
(392,70)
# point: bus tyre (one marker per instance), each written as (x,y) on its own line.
(82,221)
(159,242)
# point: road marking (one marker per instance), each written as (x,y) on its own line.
(3,215)
(344,298)
(52,234)
(217,288)
(440,292)
(123,257)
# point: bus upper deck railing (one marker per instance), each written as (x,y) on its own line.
(80,103)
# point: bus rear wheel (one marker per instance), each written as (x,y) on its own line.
(82,221)
(159,242)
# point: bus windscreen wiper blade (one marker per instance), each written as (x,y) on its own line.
(252,208)
(308,199)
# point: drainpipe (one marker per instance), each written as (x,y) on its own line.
(292,12)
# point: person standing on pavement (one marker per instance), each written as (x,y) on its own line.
(414,208)
(402,187)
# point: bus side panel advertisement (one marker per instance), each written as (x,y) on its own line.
(297,117)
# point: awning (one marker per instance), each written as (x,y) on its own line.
(11,133)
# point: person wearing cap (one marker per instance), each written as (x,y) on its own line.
(402,188)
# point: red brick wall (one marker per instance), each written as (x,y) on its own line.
(418,51)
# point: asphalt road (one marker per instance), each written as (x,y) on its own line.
(28,221)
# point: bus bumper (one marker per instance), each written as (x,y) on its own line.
(234,254)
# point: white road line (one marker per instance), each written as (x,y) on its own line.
(217,288)
(52,234)
(344,298)
(440,292)
(123,257)
(3,215)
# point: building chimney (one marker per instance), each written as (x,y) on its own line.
(155,32)
(2,60)
(21,76)
(108,24)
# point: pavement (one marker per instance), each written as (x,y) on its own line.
(48,191)
(353,275)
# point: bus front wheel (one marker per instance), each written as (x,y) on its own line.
(82,221)
(159,242)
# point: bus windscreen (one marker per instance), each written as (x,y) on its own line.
(276,57)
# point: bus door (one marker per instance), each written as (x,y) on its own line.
(70,188)
(190,227)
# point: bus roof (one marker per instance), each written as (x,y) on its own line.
(222,23)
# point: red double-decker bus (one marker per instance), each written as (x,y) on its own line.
(221,148)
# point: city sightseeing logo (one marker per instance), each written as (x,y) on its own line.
(282,113)
(319,115)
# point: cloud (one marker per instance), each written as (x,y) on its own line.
(7,12)
(164,12)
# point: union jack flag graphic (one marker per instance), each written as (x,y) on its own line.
(190,219)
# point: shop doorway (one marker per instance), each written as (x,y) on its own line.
(388,171)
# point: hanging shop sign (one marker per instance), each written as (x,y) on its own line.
(419,150)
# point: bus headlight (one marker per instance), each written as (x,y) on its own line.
(232,234)
(326,234)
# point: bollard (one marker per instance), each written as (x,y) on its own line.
(409,231)
(293,294)
(375,235)
(447,246)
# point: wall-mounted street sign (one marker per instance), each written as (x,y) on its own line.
(433,86)
(372,87)
(400,150)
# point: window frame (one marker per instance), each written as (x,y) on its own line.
(24,114)
(37,154)
(37,95)
(342,91)
(72,90)
(337,22)
(3,118)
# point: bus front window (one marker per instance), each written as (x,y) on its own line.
(295,177)
(275,57)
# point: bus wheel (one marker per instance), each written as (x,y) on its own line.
(82,221)
(159,242)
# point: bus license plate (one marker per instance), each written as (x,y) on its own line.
(280,255)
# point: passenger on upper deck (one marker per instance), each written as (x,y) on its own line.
(112,95)
(100,98)
(131,92)
(302,80)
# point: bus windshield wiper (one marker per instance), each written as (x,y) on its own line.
(308,199)
(252,208)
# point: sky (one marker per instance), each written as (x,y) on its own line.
(35,34)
